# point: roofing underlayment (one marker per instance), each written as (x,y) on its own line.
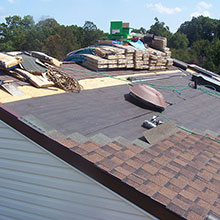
(177,174)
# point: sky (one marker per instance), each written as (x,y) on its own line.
(139,13)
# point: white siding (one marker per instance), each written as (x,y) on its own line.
(35,184)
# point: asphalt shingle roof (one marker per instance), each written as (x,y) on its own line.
(182,172)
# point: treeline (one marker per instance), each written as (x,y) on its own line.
(196,41)
(23,34)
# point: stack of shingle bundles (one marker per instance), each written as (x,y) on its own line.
(95,62)
(114,55)
(169,62)
(129,55)
(119,56)
(157,60)
(138,59)
(167,51)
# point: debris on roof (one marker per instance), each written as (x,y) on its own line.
(8,61)
(38,69)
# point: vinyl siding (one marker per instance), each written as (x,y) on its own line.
(35,184)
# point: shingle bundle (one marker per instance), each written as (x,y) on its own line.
(128,57)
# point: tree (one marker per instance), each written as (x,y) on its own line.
(52,46)
(140,30)
(200,28)
(159,29)
(14,32)
(91,34)
(178,41)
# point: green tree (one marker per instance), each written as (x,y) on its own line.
(52,46)
(178,41)
(200,28)
(14,32)
(91,34)
(140,30)
(159,29)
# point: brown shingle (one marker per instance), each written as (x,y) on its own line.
(205,174)
(128,168)
(215,185)
(209,196)
(143,174)
(151,169)
(135,162)
(111,163)
(159,179)
(169,153)
(89,146)
(181,160)
(117,174)
(184,205)
(161,198)
(177,165)
(173,187)
(196,164)
(144,156)
(179,182)
(213,163)
(123,171)
(175,151)
(168,193)
(203,203)
(199,183)
(188,195)
(94,157)
(79,150)
(167,144)
(116,146)
(68,142)
(124,155)
(167,172)
(187,173)
(192,190)
(109,149)
(136,179)
(102,152)
(151,151)
(134,148)
(177,209)
(146,190)
(162,160)
(194,216)
(199,209)
(153,186)
(131,182)
(174,168)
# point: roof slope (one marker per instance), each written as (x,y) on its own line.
(176,178)
(182,172)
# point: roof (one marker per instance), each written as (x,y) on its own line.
(99,131)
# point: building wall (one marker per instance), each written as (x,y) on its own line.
(36,185)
